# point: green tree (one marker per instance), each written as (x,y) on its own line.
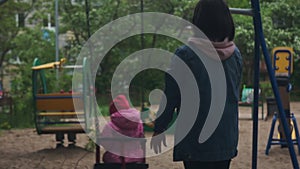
(9,27)
(280,21)
(281,28)
(25,43)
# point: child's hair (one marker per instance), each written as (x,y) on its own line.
(214,19)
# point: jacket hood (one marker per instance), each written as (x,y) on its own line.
(128,119)
(224,49)
(119,103)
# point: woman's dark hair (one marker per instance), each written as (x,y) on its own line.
(213,18)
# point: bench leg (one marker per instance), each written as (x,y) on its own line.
(59,137)
(72,137)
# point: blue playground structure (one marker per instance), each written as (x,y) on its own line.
(260,43)
(283,67)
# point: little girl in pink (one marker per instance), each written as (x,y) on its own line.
(125,123)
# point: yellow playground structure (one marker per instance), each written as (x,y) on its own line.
(60,112)
(283,69)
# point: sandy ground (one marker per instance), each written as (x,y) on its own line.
(27,150)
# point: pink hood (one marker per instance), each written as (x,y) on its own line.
(127,122)
(224,49)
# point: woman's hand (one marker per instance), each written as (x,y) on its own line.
(156,140)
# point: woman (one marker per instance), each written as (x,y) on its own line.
(214,19)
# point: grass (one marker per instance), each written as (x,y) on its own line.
(104,110)
(25,119)
(5,120)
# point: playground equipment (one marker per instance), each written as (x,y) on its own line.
(260,42)
(254,12)
(283,67)
(55,113)
(123,165)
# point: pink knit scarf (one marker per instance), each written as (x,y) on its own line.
(224,49)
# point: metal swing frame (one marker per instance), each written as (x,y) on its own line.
(260,43)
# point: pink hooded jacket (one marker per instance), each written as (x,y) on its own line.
(125,121)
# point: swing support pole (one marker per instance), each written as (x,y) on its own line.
(260,42)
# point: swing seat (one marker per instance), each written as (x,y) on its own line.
(121,166)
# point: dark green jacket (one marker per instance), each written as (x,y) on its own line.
(222,145)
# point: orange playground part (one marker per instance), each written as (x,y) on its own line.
(60,113)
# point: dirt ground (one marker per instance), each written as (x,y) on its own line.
(27,150)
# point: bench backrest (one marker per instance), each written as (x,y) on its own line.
(58,102)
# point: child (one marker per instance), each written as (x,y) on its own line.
(125,122)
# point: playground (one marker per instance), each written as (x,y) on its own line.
(24,148)
(46,117)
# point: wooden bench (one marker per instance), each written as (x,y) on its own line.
(70,114)
(247,100)
(56,114)
(74,128)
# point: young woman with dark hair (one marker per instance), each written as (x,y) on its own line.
(214,19)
